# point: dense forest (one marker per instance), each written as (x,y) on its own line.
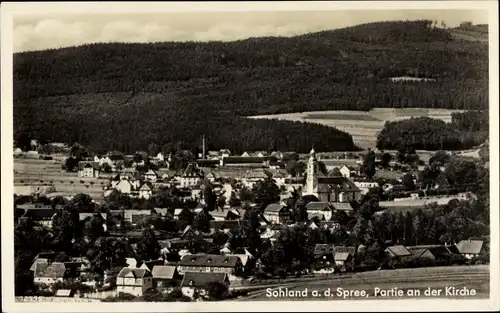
(114,95)
(466,130)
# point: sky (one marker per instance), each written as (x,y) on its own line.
(46,31)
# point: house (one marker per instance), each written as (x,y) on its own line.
(224,225)
(212,176)
(134,281)
(277,213)
(398,253)
(279,178)
(164,276)
(145,192)
(125,184)
(49,273)
(132,216)
(345,171)
(251,177)
(148,265)
(323,208)
(43,216)
(88,169)
(151,176)
(214,263)
(365,185)
(419,253)
(196,282)
(343,256)
(470,248)
(190,177)
(245,154)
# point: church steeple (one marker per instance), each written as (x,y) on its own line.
(311,172)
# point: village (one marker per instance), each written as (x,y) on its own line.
(217,225)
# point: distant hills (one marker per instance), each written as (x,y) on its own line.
(127,96)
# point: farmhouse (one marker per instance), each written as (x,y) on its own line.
(197,282)
(322,208)
(399,253)
(164,276)
(88,169)
(210,263)
(134,281)
(251,177)
(151,176)
(277,213)
(470,248)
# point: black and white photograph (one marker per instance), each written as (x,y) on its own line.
(250,156)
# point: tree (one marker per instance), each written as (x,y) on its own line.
(217,290)
(385,159)
(266,192)
(246,195)
(186,218)
(368,167)
(82,203)
(148,247)
(70,164)
(210,198)
(93,227)
(484,152)
(301,212)
(153,149)
(201,222)
(408,182)
(440,158)
(322,168)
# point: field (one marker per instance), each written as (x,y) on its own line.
(470,277)
(33,173)
(363,126)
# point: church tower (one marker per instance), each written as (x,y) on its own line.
(311,172)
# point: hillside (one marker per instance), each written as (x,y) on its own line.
(127,96)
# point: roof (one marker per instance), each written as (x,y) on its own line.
(163,271)
(53,270)
(40,213)
(342,256)
(145,187)
(85,164)
(211,260)
(470,246)
(137,272)
(318,206)
(255,174)
(323,249)
(342,249)
(151,172)
(243,160)
(224,224)
(343,206)
(336,183)
(243,258)
(84,215)
(417,252)
(399,250)
(151,264)
(195,279)
(190,171)
(274,207)
(63,293)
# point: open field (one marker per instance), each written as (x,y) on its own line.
(33,173)
(363,126)
(437,278)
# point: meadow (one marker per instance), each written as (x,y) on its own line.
(363,126)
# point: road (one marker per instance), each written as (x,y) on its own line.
(446,282)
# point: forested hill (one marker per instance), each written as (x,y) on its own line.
(106,95)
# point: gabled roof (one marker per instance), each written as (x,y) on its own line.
(256,174)
(163,271)
(323,249)
(200,280)
(52,270)
(337,183)
(343,249)
(224,224)
(88,164)
(209,260)
(145,187)
(417,252)
(84,215)
(318,206)
(190,171)
(136,272)
(275,208)
(151,172)
(342,206)
(342,256)
(149,265)
(398,250)
(470,246)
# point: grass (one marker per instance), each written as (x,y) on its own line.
(362,126)
(346,117)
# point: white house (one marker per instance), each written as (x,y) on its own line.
(277,213)
(134,281)
(48,273)
(365,185)
(145,192)
(88,169)
(319,208)
(345,171)
(151,176)
(190,177)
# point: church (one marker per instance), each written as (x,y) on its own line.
(328,189)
